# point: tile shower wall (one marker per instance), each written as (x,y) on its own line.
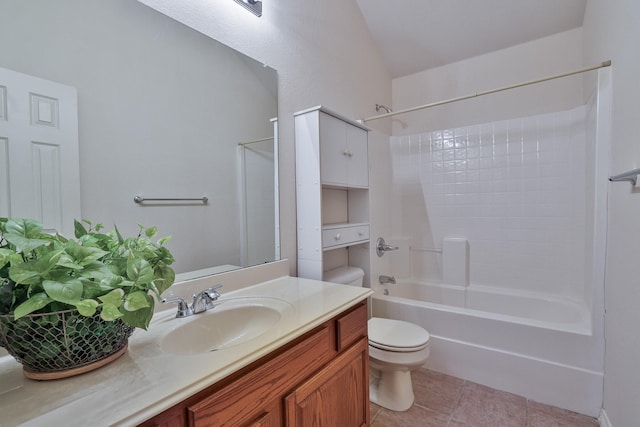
(515,189)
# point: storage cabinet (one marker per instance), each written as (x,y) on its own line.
(343,153)
(320,379)
(332,178)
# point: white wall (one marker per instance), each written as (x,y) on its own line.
(324,54)
(539,58)
(611,31)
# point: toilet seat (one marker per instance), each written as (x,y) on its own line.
(396,335)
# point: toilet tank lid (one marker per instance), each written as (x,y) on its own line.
(396,333)
(345,274)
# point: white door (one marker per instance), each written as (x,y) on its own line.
(39,161)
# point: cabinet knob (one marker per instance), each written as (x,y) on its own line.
(337,236)
(347,153)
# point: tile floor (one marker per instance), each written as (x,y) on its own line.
(445,401)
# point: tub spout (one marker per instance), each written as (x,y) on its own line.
(386,279)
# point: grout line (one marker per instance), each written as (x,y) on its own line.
(457,402)
(373,417)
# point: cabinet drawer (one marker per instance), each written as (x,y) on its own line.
(351,327)
(344,235)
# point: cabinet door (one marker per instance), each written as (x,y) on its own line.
(255,399)
(358,157)
(338,395)
(333,150)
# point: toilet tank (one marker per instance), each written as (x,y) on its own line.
(346,275)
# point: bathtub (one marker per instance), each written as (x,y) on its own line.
(537,347)
(501,305)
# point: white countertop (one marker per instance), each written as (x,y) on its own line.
(146,380)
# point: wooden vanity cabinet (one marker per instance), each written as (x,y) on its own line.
(319,379)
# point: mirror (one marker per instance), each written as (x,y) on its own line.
(163,112)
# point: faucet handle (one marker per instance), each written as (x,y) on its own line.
(211,294)
(183,308)
(204,300)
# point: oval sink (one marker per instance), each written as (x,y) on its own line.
(230,323)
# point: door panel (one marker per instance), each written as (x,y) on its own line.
(40,176)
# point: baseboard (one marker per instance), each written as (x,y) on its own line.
(604,420)
(563,386)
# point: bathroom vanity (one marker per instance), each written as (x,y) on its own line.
(302,383)
(297,370)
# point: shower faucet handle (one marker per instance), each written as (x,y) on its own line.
(382,247)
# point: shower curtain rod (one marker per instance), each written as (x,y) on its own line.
(255,141)
(487,92)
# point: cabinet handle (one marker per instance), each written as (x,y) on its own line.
(337,236)
(347,153)
(360,233)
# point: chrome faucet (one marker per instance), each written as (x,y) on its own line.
(386,279)
(202,301)
(382,247)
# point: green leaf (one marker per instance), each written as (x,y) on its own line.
(24,227)
(118,235)
(113,298)
(110,312)
(139,271)
(68,292)
(164,240)
(24,244)
(5,256)
(67,261)
(25,234)
(164,276)
(165,256)
(98,271)
(84,255)
(135,301)
(87,307)
(151,231)
(23,274)
(79,229)
(36,302)
(30,273)
(140,318)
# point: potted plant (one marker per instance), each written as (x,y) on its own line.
(69,305)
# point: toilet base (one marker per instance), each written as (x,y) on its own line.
(391,389)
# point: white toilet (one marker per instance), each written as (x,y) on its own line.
(395,349)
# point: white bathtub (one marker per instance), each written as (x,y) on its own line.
(522,308)
(540,348)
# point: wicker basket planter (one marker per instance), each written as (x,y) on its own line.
(63,343)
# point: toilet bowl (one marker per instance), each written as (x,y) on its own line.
(395,349)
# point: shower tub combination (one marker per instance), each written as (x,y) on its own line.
(529,346)
(535,331)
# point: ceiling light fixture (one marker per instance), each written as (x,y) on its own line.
(254,6)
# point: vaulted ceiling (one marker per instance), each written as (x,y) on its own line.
(415,35)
